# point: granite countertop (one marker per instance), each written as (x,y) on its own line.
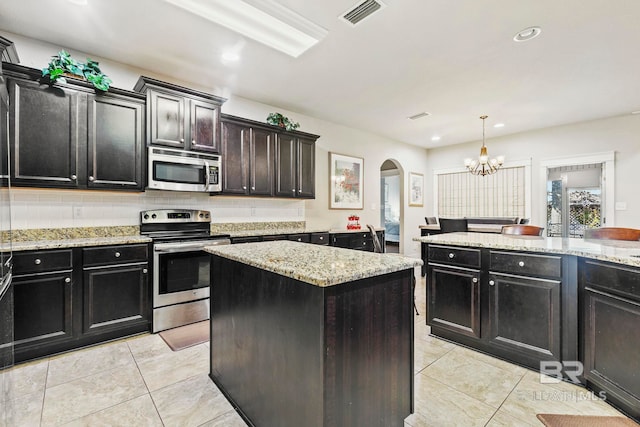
(75,242)
(297,230)
(618,251)
(315,264)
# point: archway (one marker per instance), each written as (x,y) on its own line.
(392,204)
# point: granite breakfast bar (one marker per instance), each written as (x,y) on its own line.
(312,335)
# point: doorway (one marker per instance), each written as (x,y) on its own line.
(391,205)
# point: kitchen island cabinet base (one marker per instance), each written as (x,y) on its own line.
(289,353)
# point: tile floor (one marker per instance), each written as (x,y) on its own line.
(140,382)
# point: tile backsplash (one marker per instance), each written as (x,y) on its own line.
(38,208)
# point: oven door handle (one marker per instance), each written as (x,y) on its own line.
(207,172)
(185,247)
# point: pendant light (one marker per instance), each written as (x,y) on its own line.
(484,166)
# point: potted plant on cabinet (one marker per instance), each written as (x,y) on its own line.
(63,65)
(278,119)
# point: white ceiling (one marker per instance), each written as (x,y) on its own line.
(453,58)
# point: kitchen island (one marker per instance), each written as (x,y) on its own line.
(312,335)
(569,303)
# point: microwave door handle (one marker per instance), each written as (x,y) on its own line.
(207,172)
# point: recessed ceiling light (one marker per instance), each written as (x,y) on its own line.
(230,56)
(419,115)
(264,21)
(527,34)
(435,138)
(498,125)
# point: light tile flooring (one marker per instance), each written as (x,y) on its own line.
(141,382)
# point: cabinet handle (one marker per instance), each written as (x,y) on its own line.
(321,237)
(293,190)
(491,283)
(67,280)
(474,280)
(181,139)
(193,141)
(244,187)
(144,271)
(37,261)
(299,239)
(300,190)
(74,177)
(91,178)
(521,263)
(253,188)
(117,254)
(451,255)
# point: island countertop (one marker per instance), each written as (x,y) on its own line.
(315,264)
(621,252)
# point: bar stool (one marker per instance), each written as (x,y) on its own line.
(612,233)
(522,230)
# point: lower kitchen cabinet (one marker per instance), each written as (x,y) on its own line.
(359,240)
(509,304)
(611,332)
(116,291)
(60,304)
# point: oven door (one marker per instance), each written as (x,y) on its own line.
(181,271)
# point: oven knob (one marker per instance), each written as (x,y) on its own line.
(154,216)
(201,215)
(146,216)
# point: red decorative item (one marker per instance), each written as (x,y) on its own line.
(354,222)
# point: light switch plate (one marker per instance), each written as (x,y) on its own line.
(621,206)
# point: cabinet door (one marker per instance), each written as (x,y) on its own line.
(453,300)
(611,337)
(306,173)
(46,125)
(204,119)
(341,240)
(261,162)
(525,317)
(235,143)
(43,312)
(166,119)
(115,143)
(115,297)
(285,173)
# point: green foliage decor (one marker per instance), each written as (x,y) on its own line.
(63,64)
(278,119)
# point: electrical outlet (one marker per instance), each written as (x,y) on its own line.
(78,212)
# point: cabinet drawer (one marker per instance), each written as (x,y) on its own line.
(616,279)
(274,237)
(320,238)
(454,256)
(301,237)
(36,262)
(360,243)
(245,239)
(526,264)
(105,255)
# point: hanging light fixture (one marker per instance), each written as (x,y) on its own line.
(484,166)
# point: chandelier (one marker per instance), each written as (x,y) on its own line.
(484,166)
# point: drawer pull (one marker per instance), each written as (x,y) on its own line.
(38,261)
(521,263)
(91,178)
(117,254)
(299,239)
(321,237)
(491,283)
(451,255)
(67,280)
(74,177)
(145,271)
(474,280)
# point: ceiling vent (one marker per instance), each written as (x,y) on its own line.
(361,11)
(419,116)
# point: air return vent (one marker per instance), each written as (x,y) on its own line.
(361,11)
(419,116)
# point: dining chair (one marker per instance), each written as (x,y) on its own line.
(431,220)
(522,230)
(612,233)
(451,225)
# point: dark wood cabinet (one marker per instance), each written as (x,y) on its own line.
(181,117)
(115,289)
(358,240)
(610,335)
(295,166)
(510,304)
(44,292)
(247,156)
(68,136)
(70,298)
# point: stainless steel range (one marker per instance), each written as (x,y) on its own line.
(181,268)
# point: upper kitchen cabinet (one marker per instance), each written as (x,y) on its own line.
(69,136)
(181,117)
(247,156)
(295,165)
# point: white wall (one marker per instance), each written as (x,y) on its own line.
(620,134)
(32,206)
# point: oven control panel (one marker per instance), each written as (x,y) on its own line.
(174,216)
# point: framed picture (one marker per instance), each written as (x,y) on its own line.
(346,175)
(416,189)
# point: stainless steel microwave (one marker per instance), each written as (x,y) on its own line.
(181,170)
